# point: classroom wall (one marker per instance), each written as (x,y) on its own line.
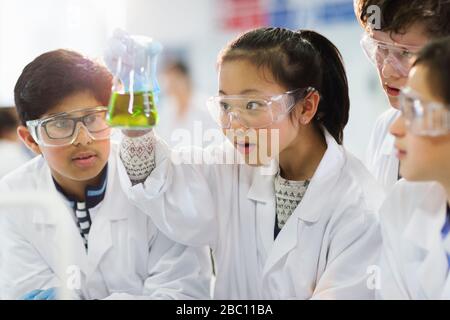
(192,29)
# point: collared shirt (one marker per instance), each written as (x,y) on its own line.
(94,195)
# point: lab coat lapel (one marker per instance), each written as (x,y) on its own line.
(70,245)
(249,237)
(63,239)
(387,148)
(100,241)
(423,231)
(285,242)
(112,208)
(310,209)
(391,171)
(262,191)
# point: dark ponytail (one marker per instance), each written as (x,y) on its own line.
(298,60)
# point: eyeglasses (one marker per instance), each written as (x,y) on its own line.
(254,111)
(400,57)
(424,118)
(62,129)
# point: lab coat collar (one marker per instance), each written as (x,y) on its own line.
(262,187)
(388,146)
(322,183)
(112,189)
(45,182)
(424,232)
(427,219)
(309,210)
(100,235)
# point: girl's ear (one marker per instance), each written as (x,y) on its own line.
(28,140)
(310,106)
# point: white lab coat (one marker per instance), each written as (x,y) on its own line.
(380,155)
(413,262)
(323,251)
(128,257)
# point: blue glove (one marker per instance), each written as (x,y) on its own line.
(49,294)
(132,59)
(30,295)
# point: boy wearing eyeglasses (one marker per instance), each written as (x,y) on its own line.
(99,245)
(415,218)
(395,30)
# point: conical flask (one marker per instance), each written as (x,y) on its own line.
(132,61)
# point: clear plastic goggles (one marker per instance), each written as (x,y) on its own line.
(62,129)
(254,111)
(424,118)
(400,57)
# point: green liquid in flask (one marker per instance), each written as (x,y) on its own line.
(136,111)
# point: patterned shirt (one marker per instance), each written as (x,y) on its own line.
(288,195)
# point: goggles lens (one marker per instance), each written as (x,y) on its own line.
(252,111)
(424,118)
(401,58)
(63,129)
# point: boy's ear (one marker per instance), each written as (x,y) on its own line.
(28,140)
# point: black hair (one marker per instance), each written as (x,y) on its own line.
(178,66)
(8,120)
(436,57)
(55,75)
(300,59)
(398,15)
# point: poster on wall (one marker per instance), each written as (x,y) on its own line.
(239,15)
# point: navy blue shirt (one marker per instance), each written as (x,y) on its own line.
(93,196)
(446,229)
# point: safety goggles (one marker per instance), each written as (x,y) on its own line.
(424,118)
(254,111)
(62,129)
(400,57)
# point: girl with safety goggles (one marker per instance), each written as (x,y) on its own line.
(304,229)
